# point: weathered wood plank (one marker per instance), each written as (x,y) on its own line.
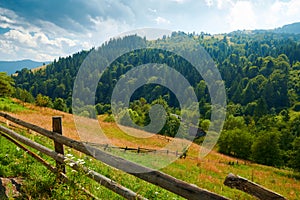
(106,182)
(161,179)
(249,187)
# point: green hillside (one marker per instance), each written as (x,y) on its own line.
(260,72)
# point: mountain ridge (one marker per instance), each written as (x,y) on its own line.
(293,28)
(12,66)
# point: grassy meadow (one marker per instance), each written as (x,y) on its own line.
(208,173)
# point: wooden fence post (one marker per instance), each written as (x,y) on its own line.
(59,148)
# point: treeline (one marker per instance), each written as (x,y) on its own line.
(273,139)
(261,72)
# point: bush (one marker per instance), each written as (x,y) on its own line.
(236,143)
(266,149)
(43,101)
(109,118)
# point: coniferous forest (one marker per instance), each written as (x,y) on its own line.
(261,73)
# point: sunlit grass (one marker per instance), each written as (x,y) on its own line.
(9,105)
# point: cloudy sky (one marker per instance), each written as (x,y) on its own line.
(43,30)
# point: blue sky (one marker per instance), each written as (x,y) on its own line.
(46,29)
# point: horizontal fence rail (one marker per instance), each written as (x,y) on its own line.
(108,183)
(252,188)
(62,176)
(158,178)
(137,150)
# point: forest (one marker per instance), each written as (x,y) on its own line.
(261,73)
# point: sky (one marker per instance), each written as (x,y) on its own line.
(44,30)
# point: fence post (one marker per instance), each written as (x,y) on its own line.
(59,148)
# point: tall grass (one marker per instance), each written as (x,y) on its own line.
(9,105)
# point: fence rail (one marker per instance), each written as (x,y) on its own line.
(158,178)
(252,188)
(137,150)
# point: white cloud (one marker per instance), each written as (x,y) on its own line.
(35,46)
(152,10)
(209,3)
(44,42)
(161,20)
(180,1)
(278,13)
(220,4)
(105,29)
(242,16)
(288,9)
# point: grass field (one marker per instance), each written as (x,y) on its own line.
(208,173)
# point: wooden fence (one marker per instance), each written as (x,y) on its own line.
(137,150)
(158,178)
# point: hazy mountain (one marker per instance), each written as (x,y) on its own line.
(12,66)
(290,28)
(286,29)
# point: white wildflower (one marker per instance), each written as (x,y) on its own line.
(70,156)
(81,161)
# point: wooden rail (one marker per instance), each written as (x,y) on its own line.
(249,187)
(161,179)
(61,175)
(137,150)
(62,159)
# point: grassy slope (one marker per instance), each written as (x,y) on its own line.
(208,173)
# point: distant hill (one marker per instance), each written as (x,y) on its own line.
(12,66)
(290,28)
(286,29)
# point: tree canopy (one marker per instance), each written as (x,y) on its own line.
(6,85)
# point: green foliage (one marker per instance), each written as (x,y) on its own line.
(24,95)
(59,104)
(103,108)
(6,85)
(236,143)
(295,161)
(8,105)
(266,150)
(43,101)
(295,126)
(253,71)
(232,123)
(109,118)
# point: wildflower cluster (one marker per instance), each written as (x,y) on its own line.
(71,160)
